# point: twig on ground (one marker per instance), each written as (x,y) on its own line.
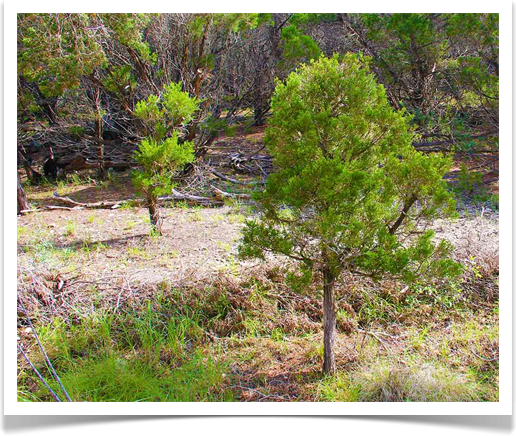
(484,358)
(374,335)
(264,396)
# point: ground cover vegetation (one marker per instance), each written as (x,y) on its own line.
(321,191)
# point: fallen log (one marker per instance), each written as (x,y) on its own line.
(79,163)
(119,166)
(109,142)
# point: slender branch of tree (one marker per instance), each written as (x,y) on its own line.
(403,214)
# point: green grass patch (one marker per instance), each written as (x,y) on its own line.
(116,378)
(146,353)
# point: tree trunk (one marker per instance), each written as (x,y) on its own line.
(98,127)
(258,116)
(33,176)
(329,321)
(155,218)
(102,174)
(22,198)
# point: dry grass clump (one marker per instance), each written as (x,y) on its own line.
(393,382)
(425,383)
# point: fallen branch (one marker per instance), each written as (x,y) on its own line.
(229,179)
(97,205)
(222,194)
(375,335)
(484,358)
(79,163)
(43,352)
(107,142)
(43,208)
(38,374)
(179,196)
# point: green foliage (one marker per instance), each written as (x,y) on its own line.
(120,79)
(469,183)
(159,161)
(142,354)
(350,177)
(297,45)
(240,22)
(468,180)
(474,75)
(406,32)
(115,378)
(76,132)
(128,29)
(234,22)
(179,106)
(26,102)
(303,19)
(483,27)
(389,382)
(172,110)
(55,50)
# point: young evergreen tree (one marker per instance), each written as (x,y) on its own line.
(349,190)
(162,153)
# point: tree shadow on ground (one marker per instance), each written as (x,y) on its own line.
(114,243)
(117,189)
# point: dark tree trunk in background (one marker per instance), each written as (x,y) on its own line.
(258,116)
(32,174)
(330,329)
(22,198)
(268,68)
(99,128)
(50,109)
(102,168)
